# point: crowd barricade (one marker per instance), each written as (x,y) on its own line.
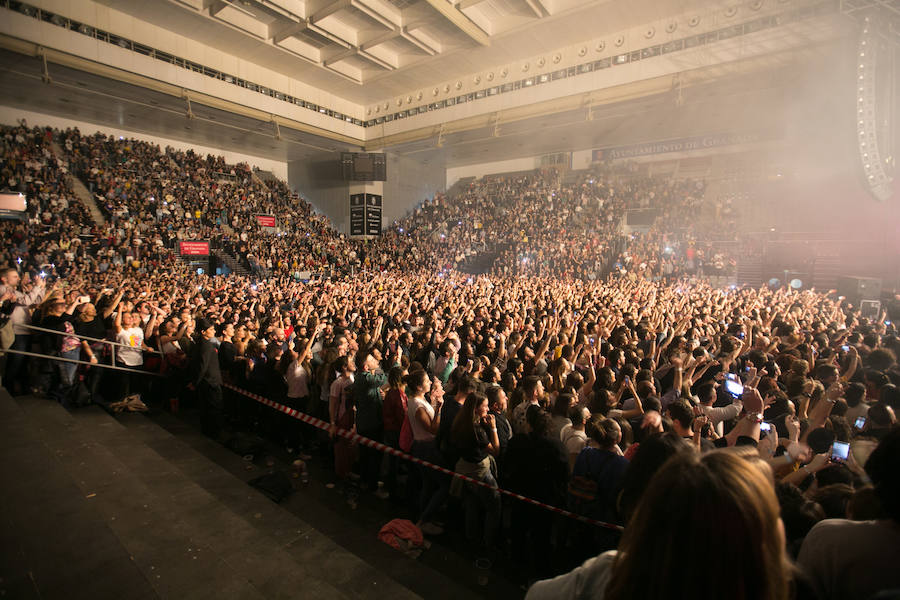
(326,426)
(370,443)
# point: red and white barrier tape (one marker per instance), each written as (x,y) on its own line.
(370,443)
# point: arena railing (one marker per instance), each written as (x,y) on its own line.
(112,345)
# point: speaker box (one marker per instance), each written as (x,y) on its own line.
(857,289)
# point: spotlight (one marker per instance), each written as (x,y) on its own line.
(796,284)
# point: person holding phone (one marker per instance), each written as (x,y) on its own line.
(60,318)
(15,377)
(474,436)
(425,420)
(855,560)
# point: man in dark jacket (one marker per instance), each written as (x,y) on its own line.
(207,379)
(368,396)
(535,465)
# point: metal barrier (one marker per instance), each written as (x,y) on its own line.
(80,362)
(112,345)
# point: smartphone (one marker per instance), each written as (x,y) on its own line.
(764,429)
(840,451)
(733,385)
(860,423)
(845,348)
(84,299)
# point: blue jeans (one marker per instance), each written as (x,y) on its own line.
(477,499)
(435,485)
(65,375)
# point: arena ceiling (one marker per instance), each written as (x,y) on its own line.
(393,46)
(750,101)
(749,95)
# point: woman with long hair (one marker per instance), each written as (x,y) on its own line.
(425,420)
(708,527)
(342,415)
(296,369)
(393,415)
(474,437)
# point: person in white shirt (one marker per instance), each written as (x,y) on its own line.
(342,415)
(129,353)
(15,376)
(706,394)
(573,436)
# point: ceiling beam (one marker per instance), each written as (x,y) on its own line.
(385,37)
(377,61)
(338,57)
(538,7)
(409,37)
(461,21)
(329,10)
(285,32)
(355,51)
(217,7)
(373,14)
(328,35)
(464,4)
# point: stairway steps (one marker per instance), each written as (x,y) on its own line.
(47,522)
(191,530)
(161,543)
(247,543)
(79,188)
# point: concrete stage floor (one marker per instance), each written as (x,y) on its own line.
(138,506)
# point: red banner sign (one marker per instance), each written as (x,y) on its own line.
(265,220)
(193,248)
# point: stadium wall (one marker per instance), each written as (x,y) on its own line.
(490,168)
(409,182)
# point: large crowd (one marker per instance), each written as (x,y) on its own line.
(745,439)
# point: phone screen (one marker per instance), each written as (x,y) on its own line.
(765,428)
(733,385)
(840,451)
(860,422)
